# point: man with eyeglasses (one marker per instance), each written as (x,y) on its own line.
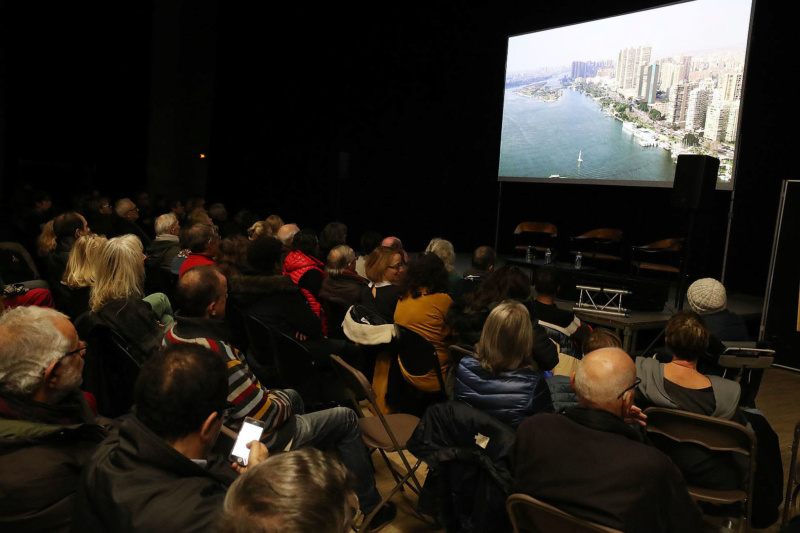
(156,472)
(48,431)
(593,462)
(128,213)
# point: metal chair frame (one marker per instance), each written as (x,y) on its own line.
(529,515)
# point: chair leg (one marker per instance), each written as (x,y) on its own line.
(367,519)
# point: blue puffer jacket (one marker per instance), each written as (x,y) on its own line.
(510,397)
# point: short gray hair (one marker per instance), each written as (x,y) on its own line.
(338,259)
(164,222)
(121,206)
(29,343)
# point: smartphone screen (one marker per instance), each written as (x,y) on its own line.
(251,430)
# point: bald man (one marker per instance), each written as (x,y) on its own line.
(592,461)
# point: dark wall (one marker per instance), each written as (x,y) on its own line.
(385,117)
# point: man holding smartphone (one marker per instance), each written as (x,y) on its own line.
(202,298)
(155,473)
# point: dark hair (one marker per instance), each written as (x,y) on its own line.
(506,283)
(687,335)
(600,338)
(178,388)
(66,224)
(197,288)
(306,241)
(196,237)
(483,258)
(264,253)
(332,236)
(425,273)
(546,281)
(369,241)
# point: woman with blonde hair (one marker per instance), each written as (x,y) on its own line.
(80,273)
(116,295)
(385,269)
(502,379)
(444,250)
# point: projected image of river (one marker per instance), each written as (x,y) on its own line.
(541,139)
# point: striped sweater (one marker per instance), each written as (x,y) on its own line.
(273,407)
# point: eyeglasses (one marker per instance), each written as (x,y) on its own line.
(132,209)
(397,266)
(226,411)
(635,384)
(83,348)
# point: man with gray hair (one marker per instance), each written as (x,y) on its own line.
(48,430)
(592,461)
(286,235)
(165,248)
(128,214)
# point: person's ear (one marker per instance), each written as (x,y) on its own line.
(491,268)
(572,381)
(210,428)
(51,375)
(211,310)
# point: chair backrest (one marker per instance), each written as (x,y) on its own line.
(457,353)
(536,227)
(417,355)
(260,353)
(295,365)
(664,245)
(608,234)
(529,515)
(712,433)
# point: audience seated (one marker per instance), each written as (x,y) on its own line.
(232,255)
(445,251)
(385,269)
(202,241)
(483,260)
(468,315)
(48,429)
(46,242)
(306,271)
(155,473)
(502,379)
(342,288)
(80,272)
(303,491)
(202,296)
(562,325)
(591,463)
(116,295)
(422,308)
(164,249)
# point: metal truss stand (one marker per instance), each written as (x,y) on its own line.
(612,306)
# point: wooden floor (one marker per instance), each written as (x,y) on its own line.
(778,399)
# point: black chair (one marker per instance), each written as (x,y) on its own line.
(418,357)
(111,366)
(539,235)
(315,381)
(259,351)
(602,246)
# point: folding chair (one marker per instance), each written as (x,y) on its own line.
(385,433)
(417,355)
(713,434)
(529,515)
(793,483)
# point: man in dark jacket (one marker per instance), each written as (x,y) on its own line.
(156,473)
(597,465)
(164,249)
(482,265)
(48,431)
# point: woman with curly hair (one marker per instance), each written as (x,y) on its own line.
(422,308)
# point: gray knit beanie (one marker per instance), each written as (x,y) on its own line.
(707,296)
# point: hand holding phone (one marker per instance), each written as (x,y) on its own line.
(251,431)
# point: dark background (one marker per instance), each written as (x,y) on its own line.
(386,117)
